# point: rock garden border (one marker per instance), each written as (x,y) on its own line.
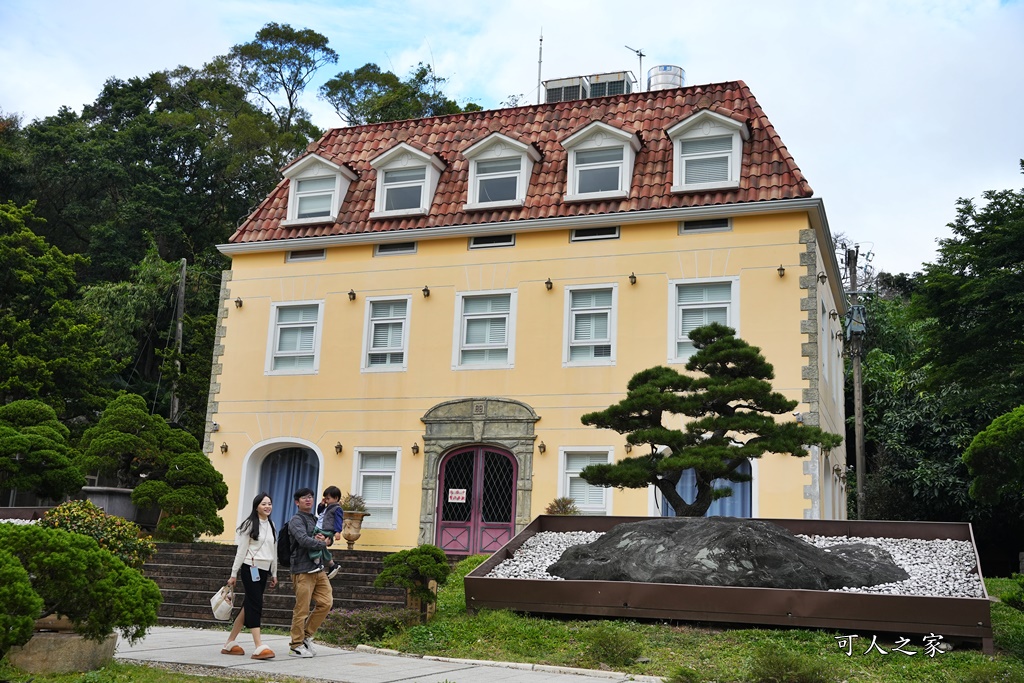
(965,620)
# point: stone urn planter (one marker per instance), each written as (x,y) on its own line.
(55,649)
(352,526)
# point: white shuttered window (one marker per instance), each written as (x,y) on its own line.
(698,305)
(591,500)
(295,338)
(377,487)
(387,343)
(706,160)
(591,321)
(485,330)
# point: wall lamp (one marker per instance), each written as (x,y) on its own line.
(632,278)
(224,447)
(541,447)
(351,295)
(822,277)
(338,448)
(549,284)
(833,314)
(782,270)
(426,291)
(238,302)
(214,427)
(629,447)
(415,448)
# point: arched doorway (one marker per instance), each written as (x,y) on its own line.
(476,506)
(281,474)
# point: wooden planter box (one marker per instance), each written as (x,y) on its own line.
(956,619)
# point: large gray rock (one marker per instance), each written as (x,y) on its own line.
(723,551)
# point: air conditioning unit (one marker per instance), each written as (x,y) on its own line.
(614,83)
(565,89)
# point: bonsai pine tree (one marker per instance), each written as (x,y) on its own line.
(731,403)
(125,443)
(34,451)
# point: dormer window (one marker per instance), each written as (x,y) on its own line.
(406,180)
(707,148)
(316,189)
(499,172)
(600,162)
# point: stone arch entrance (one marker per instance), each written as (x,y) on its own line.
(473,424)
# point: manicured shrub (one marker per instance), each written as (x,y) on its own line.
(354,627)
(77,579)
(413,569)
(19,604)
(613,645)
(782,666)
(112,533)
(190,493)
(562,506)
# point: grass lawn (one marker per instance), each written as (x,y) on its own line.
(681,653)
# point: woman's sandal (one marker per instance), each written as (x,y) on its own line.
(263,652)
(231,648)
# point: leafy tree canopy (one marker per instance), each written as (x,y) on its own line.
(973,299)
(369,95)
(730,402)
(127,442)
(996,459)
(34,452)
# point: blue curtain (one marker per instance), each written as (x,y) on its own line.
(736,505)
(282,474)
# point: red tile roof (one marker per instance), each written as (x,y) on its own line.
(768,171)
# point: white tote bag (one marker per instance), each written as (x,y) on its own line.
(221,603)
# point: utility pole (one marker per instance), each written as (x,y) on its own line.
(855,330)
(179,314)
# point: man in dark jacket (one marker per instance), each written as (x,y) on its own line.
(308,579)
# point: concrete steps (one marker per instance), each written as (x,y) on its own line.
(188,574)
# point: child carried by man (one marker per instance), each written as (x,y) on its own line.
(328,522)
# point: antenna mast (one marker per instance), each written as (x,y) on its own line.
(540,58)
(640,54)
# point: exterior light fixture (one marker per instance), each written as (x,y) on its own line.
(549,284)
(224,447)
(822,277)
(415,448)
(541,447)
(338,448)
(629,447)
(238,302)
(833,314)
(214,427)
(782,270)
(351,295)
(632,278)
(426,291)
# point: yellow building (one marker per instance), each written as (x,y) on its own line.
(421,311)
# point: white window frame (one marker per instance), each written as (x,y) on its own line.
(303,255)
(702,125)
(406,157)
(394,248)
(499,147)
(705,225)
(375,520)
(310,168)
(509,241)
(460,330)
(273,335)
(368,326)
(565,476)
(569,326)
(577,234)
(732,315)
(595,136)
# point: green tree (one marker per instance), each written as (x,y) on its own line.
(731,404)
(19,604)
(35,455)
(369,95)
(972,300)
(995,459)
(126,442)
(189,491)
(278,65)
(49,347)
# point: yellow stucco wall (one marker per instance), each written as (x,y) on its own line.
(359,409)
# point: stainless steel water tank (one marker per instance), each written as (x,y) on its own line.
(665,76)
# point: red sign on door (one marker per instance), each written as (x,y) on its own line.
(456,495)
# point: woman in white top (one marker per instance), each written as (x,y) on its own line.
(257,558)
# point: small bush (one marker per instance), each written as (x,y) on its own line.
(684,674)
(352,502)
(1015,597)
(781,666)
(20,606)
(115,534)
(613,645)
(562,506)
(353,627)
(413,569)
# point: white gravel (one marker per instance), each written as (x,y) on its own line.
(940,568)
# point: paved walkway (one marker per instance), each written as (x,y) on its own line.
(201,647)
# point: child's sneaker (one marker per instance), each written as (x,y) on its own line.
(333,569)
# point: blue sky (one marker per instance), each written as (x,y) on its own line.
(892,110)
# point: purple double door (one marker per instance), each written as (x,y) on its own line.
(476,500)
